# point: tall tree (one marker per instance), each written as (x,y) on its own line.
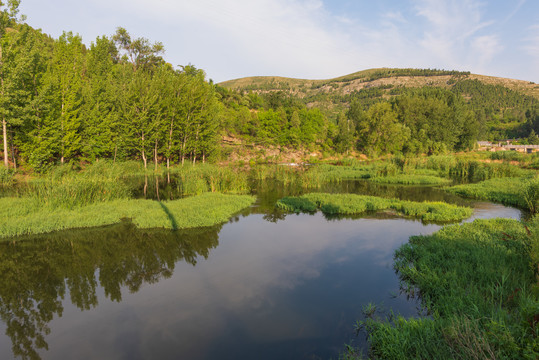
(63,85)
(8,19)
(139,52)
(100,97)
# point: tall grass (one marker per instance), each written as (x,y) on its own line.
(411,179)
(349,204)
(477,281)
(194,180)
(465,169)
(6,177)
(21,216)
(521,192)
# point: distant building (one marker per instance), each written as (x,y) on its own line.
(507,145)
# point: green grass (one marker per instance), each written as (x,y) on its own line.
(194,180)
(21,216)
(479,284)
(349,204)
(521,192)
(469,167)
(409,179)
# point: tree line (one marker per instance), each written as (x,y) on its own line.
(61,101)
(118,99)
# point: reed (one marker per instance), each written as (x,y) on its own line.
(193,180)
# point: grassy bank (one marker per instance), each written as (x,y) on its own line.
(21,216)
(409,179)
(348,204)
(478,282)
(521,192)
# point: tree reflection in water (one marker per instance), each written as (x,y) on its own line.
(38,271)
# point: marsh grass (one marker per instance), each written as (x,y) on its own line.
(193,180)
(521,192)
(477,280)
(411,179)
(349,204)
(21,216)
(74,190)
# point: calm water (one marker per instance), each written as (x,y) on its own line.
(263,286)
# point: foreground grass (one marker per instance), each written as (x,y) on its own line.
(22,216)
(521,192)
(478,281)
(348,204)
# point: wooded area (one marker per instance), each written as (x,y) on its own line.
(118,99)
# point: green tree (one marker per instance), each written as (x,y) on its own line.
(8,19)
(139,52)
(101,122)
(64,85)
(345,134)
(380,132)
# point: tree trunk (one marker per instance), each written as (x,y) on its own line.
(183,149)
(145,185)
(62,126)
(13,150)
(144,155)
(169,148)
(4,126)
(168,170)
(155,155)
(4,133)
(203,157)
(157,187)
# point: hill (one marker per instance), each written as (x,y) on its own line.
(373,78)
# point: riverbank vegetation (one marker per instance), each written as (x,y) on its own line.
(349,204)
(405,179)
(23,216)
(478,281)
(521,192)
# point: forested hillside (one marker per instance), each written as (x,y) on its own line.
(502,108)
(64,102)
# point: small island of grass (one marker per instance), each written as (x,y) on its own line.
(349,204)
(411,179)
(23,216)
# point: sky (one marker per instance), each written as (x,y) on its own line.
(313,39)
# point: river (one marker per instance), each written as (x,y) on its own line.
(265,285)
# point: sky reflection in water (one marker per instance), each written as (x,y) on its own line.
(290,289)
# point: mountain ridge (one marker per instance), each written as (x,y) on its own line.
(376,77)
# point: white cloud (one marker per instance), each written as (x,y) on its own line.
(299,38)
(515,10)
(532,43)
(453,33)
(485,48)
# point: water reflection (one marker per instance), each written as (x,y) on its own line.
(290,290)
(38,272)
(276,285)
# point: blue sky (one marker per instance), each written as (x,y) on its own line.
(314,39)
